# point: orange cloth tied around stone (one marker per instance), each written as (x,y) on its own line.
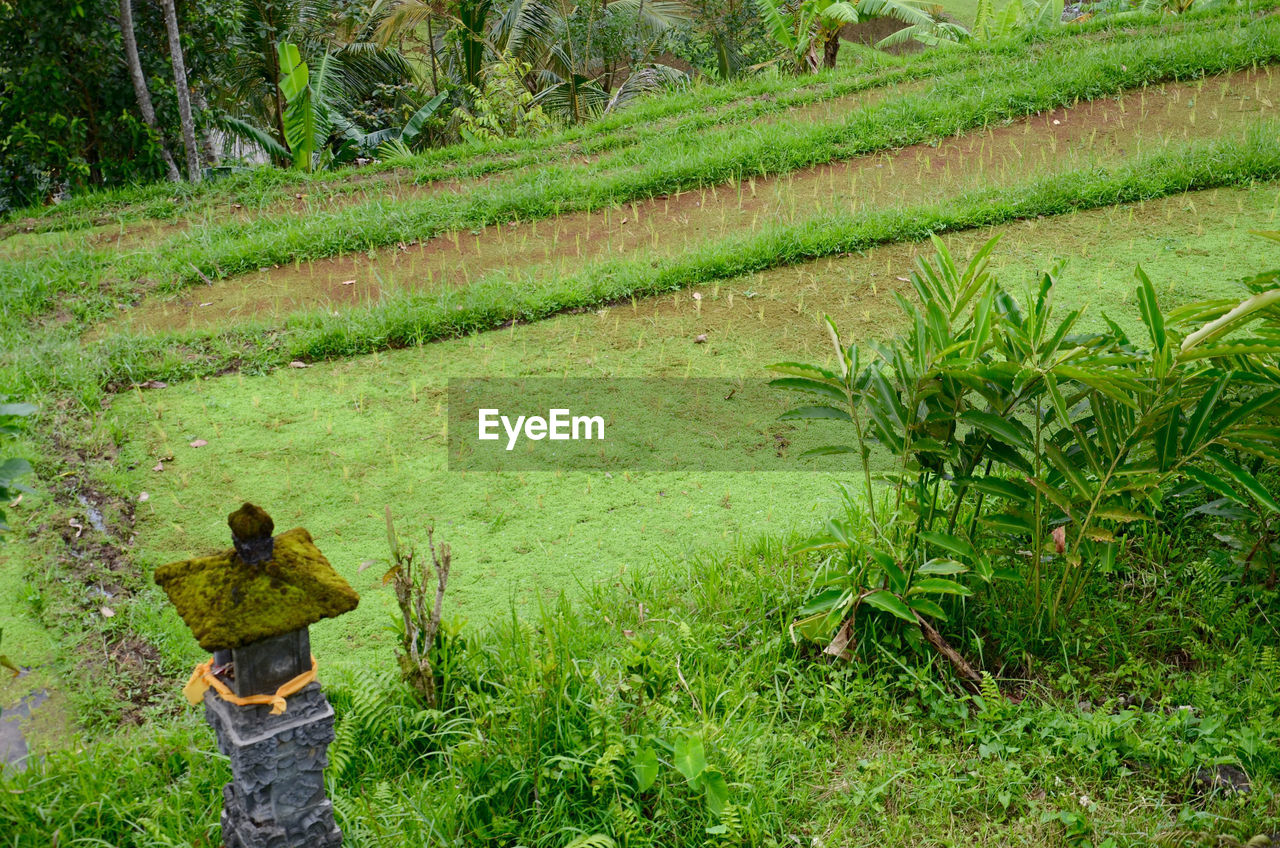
(203,678)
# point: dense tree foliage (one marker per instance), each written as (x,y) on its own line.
(108,92)
(69,117)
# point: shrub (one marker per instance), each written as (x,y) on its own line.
(1013,446)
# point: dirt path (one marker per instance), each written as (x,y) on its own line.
(1103,132)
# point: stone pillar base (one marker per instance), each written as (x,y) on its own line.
(276,798)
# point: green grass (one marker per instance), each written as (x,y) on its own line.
(866,753)
(327,447)
(964,11)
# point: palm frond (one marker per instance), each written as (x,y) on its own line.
(405,16)
(777,22)
(248,132)
(643,80)
(908,12)
(526,27)
(657,16)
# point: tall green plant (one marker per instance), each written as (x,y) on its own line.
(1009,444)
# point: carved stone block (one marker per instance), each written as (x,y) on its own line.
(276,798)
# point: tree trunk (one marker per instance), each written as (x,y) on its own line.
(140,90)
(184,93)
(208,144)
(831,49)
(431,46)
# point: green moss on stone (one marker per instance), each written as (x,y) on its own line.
(250,522)
(228,604)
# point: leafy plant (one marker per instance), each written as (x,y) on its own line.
(501,107)
(990,24)
(1011,445)
(15,467)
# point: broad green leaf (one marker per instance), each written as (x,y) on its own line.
(1010,522)
(823,602)
(999,486)
(893,571)
(1121,514)
(950,542)
(413,127)
(1212,481)
(1008,430)
(1149,308)
(1111,385)
(717,789)
(1245,347)
(888,404)
(1056,497)
(938,586)
(11,469)
(827,390)
(689,758)
(645,768)
(1068,469)
(17,410)
(803,369)
(295,78)
(924,606)
(942,566)
(1059,403)
(1009,456)
(890,603)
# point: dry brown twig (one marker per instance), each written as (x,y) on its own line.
(420,625)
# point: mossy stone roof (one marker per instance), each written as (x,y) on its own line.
(228,604)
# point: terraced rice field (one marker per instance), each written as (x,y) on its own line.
(289,339)
(1091,134)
